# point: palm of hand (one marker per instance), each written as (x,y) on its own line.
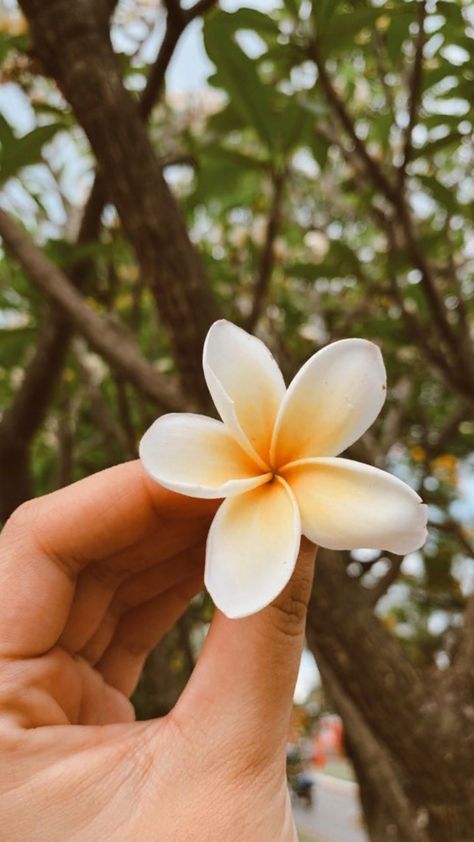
(85,598)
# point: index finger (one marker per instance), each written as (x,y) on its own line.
(49,540)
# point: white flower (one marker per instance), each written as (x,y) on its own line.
(272,457)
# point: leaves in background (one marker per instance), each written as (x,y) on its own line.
(16,153)
(238,75)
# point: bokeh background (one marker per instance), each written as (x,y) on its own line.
(306,170)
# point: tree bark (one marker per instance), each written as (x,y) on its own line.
(30,405)
(389,816)
(429,741)
(28,409)
(72,40)
(113,341)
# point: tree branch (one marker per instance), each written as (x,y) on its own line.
(110,6)
(381,587)
(30,404)
(337,105)
(176,22)
(75,47)
(443,437)
(65,442)
(460,678)
(395,196)
(267,257)
(23,418)
(450,369)
(99,408)
(452,527)
(419,337)
(372,759)
(396,414)
(28,409)
(468,641)
(415,88)
(432,294)
(113,342)
(369,663)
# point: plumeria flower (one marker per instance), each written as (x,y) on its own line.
(273,460)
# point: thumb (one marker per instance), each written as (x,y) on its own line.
(244,682)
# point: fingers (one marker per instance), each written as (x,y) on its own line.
(51,539)
(138,590)
(153,565)
(140,629)
(99,517)
(243,684)
(58,689)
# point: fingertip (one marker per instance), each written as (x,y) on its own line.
(285,619)
(252,665)
(171,504)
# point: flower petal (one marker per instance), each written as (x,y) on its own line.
(245,383)
(197,456)
(333,399)
(346,505)
(252,549)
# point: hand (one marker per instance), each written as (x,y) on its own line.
(91,577)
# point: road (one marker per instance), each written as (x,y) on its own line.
(335,815)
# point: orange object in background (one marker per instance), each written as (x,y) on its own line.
(319,757)
(329,741)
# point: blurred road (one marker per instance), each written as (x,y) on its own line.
(335,815)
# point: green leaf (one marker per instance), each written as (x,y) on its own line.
(220,186)
(17,153)
(247,18)
(345,259)
(305,271)
(235,157)
(381,126)
(434,146)
(323,11)
(320,149)
(67,254)
(432,76)
(435,121)
(12,42)
(291,126)
(398,31)
(58,112)
(239,76)
(7,135)
(292,7)
(451,11)
(226,121)
(445,196)
(318,108)
(339,262)
(342,29)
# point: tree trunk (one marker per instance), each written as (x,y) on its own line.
(388,814)
(414,747)
(72,40)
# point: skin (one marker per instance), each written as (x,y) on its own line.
(91,578)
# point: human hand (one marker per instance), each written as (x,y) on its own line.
(91,578)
